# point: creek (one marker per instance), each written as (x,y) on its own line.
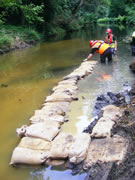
(27,77)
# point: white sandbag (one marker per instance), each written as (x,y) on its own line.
(102,128)
(35,144)
(80,73)
(28,156)
(71,76)
(60,146)
(61,105)
(89,63)
(52,110)
(43,118)
(65,87)
(112,112)
(68,81)
(70,92)
(45,130)
(21,131)
(95,151)
(56,97)
(117,149)
(79,148)
(106,150)
(49,111)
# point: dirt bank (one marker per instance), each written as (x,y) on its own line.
(124,127)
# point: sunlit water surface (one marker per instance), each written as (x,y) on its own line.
(27,77)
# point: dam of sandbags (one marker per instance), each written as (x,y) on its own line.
(43,141)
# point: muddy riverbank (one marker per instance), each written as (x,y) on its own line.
(125,127)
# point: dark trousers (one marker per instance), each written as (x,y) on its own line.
(106,55)
(133,50)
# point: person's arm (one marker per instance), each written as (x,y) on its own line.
(91,54)
(115,43)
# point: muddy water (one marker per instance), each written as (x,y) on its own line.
(27,77)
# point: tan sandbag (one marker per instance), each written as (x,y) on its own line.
(60,146)
(35,144)
(71,76)
(28,156)
(21,131)
(49,111)
(65,87)
(102,128)
(95,151)
(87,69)
(68,81)
(56,97)
(43,118)
(112,112)
(61,105)
(117,149)
(45,130)
(70,92)
(106,150)
(79,72)
(79,148)
(89,63)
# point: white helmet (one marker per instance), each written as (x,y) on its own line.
(133,35)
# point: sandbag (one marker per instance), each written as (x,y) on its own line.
(60,146)
(48,110)
(79,148)
(28,156)
(70,92)
(112,112)
(65,87)
(61,105)
(44,118)
(68,81)
(106,150)
(45,130)
(35,144)
(102,128)
(56,97)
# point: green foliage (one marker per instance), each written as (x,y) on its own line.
(9,34)
(29,14)
(130,15)
(55,31)
(5,40)
(59,16)
(30,34)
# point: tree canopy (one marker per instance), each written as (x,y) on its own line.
(68,15)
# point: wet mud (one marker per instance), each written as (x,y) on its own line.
(125,127)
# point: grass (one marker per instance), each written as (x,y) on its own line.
(9,33)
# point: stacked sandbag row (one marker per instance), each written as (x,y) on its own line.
(105,147)
(80,148)
(45,124)
(34,151)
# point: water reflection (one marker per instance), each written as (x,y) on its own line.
(52,174)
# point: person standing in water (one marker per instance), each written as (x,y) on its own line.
(110,39)
(133,44)
(102,48)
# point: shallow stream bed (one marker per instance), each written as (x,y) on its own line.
(27,77)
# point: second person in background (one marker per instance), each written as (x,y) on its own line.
(110,39)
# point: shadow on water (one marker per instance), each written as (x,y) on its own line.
(29,74)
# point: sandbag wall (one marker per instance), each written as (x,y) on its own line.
(43,140)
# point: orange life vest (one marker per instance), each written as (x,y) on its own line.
(109,39)
(101,46)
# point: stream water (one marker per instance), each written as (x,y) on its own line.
(27,77)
